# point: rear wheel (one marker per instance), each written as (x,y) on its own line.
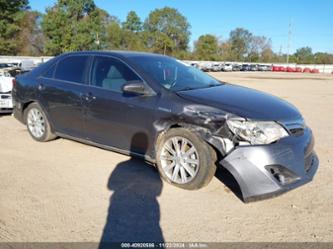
(37,123)
(185,160)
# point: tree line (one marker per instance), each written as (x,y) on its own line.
(74,25)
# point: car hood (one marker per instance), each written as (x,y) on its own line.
(244,102)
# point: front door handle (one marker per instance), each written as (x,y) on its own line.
(88,97)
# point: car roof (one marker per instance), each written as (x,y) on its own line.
(116,53)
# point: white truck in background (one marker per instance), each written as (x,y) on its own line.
(6,86)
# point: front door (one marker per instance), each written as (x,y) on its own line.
(113,118)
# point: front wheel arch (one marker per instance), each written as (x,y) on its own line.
(201,132)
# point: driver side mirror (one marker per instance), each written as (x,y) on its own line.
(137,88)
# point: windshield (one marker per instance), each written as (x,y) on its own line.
(172,74)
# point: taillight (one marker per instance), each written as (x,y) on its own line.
(14,82)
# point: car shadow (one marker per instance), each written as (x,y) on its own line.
(223,175)
(134,213)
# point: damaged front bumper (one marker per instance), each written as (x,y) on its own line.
(264,171)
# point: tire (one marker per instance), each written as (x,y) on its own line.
(198,164)
(37,123)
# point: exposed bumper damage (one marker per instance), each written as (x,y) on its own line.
(267,170)
(261,171)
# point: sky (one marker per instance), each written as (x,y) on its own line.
(311,21)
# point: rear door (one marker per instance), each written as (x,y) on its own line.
(60,92)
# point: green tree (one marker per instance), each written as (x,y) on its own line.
(267,55)
(240,40)
(114,34)
(304,55)
(257,46)
(132,38)
(166,31)
(73,25)
(206,47)
(30,39)
(225,51)
(11,13)
(133,22)
(323,58)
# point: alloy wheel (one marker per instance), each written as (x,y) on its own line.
(180,160)
(36,122)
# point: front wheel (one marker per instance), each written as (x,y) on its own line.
(185,160)
(37,123)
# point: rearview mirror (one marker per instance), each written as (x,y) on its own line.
(136,87)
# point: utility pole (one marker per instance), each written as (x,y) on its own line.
(97,41)
(289,41)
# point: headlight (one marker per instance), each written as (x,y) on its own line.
(257,132)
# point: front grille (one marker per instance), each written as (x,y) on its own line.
(297,131)
(295,127)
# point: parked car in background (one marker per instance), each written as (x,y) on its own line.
(269,68)
(262,68)
(227,67)
(6,86)
(236,67)
(5,65)
(180,119)
(216,67)
(194,64)
(206,67)
(253,67)
(245,67)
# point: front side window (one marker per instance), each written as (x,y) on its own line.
(173,74)
(72,69)
(110,73)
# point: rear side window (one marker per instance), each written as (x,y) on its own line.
(72,69)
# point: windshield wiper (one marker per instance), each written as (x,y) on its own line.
(194,88)
(212,85)
(186,89)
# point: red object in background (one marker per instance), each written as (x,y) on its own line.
(282,69)
(306,70)
(291,69)
(277,69)
(315,70)
(298,69)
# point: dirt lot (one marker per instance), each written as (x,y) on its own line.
(67,191)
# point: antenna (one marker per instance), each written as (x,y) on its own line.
(289,41)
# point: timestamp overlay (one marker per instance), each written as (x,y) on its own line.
(199,245)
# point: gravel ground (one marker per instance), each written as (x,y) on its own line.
(67,191)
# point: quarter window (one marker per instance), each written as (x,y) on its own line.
(50,72)
(72,69)
(111,74)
